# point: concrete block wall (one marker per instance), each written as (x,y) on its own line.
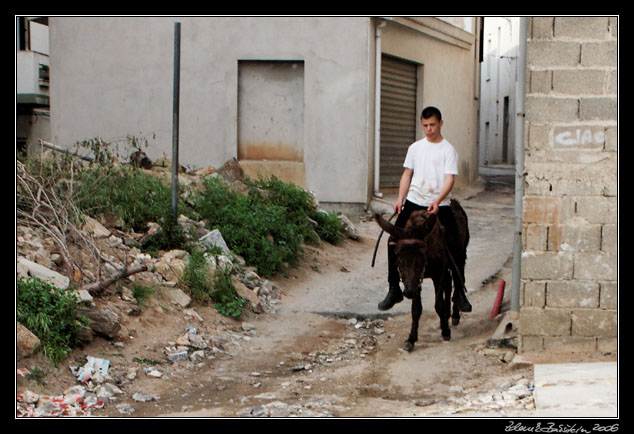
(569,290)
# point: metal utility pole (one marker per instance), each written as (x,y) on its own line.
(520,102)
(175,113)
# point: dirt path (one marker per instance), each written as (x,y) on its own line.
(324,351)
(299,363)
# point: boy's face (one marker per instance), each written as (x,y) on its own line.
(431,128)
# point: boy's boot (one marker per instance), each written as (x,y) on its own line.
(394,295)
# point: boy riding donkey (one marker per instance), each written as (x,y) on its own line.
(430,168)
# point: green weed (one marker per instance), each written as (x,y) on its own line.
(51,314)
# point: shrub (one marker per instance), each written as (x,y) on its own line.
(329,226)
(142,293)
(196,276)
(51,314)
(133,195)
(297,203)
(217,288)
(226,299)
(256,229)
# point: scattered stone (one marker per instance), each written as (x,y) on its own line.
(214,238)
(84,297)
(349,229)
(33,269)
(93,228)
(125,408)
(26,342)
(104,321)
(425,402)
(178,355)
(192,313)
(140,397)
(247,326)
(231,171)
(131,373)
(179,297)
(153,372)
(106,391)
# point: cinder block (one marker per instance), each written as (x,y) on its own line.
(597,209)
(581,237)
(610,239)
(598,108)
(538,136)
(581,27)
(594,323)
(545,322)
(608,345)
(611,139)
(552,53)
(534,294)
(595,266)
(551,109)
(547,266)
(530,344)
(612,82)
(542,27)
(609,295)
(599,54)
(572,293)
(541,210)
(541,81)
(570,344)
(536,237)
(579,81)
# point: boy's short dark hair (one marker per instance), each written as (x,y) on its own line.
(429,112)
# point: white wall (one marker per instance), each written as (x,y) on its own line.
(499,76)
(112,77)
(447,79)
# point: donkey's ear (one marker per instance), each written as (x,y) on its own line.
(391,229)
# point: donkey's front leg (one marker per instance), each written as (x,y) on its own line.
(442,287)
(417,311)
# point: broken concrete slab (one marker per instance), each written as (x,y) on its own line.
(28,268)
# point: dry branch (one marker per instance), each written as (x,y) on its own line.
(95,288)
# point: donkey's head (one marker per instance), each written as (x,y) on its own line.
(411,246)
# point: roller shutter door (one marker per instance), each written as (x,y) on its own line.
(398,117)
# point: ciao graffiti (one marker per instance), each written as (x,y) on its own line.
(591,137)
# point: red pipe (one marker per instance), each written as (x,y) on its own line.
(498,300)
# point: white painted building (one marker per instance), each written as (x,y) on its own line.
(31,81)
(331,103)
(498,86)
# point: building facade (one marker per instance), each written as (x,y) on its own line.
(32,82)
(498,86)
(330,103)
(570,208)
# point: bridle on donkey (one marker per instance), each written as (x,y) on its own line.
(442,231)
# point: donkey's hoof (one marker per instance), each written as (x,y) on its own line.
(455,320)
(409,346)
(446,337)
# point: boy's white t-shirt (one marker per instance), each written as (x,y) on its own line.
(430,162)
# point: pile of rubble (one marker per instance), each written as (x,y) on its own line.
(35,255)
(119,256)
(120,259)
(114,256)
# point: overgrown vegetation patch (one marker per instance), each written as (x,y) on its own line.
(266,222)
(51,314)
